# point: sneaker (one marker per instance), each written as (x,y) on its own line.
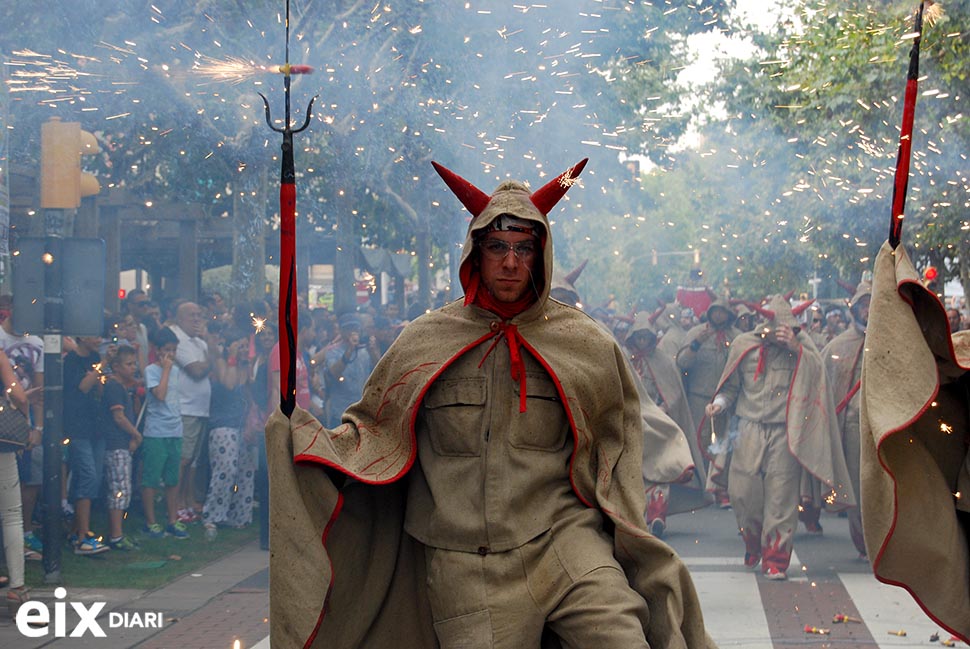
(211,531)
(751,561)
(124,544)
(32,555)
(33,542)
(90,547)
(153,531)
(657,528)
(177,529)
(774,574)
(73,540)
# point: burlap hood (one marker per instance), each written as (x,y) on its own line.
(722,303)
(915,418)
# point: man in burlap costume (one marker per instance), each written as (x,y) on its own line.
(915,430)
(661,382)
(774,381)
(673,323)
(702,358)
(843,364)
(519,430)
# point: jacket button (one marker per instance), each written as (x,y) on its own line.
(494,326)
(483,550)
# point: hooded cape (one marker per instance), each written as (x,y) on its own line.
(343,571)
(665,377)
(915,424)
(813,435)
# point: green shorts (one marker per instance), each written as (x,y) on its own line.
(161,457)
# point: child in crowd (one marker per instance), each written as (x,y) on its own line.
(162,444)
(121,440)
(82,387)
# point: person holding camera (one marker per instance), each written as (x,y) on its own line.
(349,361)
(775,383)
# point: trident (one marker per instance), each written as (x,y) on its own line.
(288,304)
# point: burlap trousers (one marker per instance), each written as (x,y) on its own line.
(763,483)
(567,578)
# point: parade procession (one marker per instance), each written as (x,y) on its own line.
(485,324)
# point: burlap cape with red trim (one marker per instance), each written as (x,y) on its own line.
(345,574)
(915,423)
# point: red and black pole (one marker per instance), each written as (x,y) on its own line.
(288,319)
(901,181)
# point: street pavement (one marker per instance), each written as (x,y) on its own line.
(226,604)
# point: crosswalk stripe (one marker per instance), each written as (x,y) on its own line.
(733,612)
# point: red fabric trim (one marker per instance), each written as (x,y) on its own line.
(569,417)
(323,542)
(848,397)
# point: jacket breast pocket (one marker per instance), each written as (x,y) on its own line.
(543,426)
(453,410)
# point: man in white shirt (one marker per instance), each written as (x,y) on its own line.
(194,388)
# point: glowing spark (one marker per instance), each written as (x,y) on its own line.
(232,69)
(259,324)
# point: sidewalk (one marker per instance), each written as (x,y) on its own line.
(225,601)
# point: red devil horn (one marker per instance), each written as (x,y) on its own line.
(798,310)
(847,287)
(470,196)
(576,272)
(546,197)
(656,314)
(787,296)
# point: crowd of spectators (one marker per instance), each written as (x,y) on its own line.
(164,415)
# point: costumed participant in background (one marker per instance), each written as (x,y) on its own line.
(843,363)
(746,319)
(701,359)
(486,491)
(915,430)
(564,286)
(661,381)
(673,324)
(774,381)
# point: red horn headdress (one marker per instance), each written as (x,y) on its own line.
(470,196)
(544,198)
(574,274)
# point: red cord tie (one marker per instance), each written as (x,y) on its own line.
(516,363)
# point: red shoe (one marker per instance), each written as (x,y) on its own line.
(751,561)
(774,574)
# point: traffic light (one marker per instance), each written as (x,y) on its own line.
(62,183)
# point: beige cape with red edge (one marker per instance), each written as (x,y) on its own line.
(811,424)
(352,542)
(915,384)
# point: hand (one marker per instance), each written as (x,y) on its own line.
(686,477)
(165,361)
(713,409)
(786,337)
(134,443)
(35,395)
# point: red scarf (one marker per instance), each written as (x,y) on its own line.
(506,311)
